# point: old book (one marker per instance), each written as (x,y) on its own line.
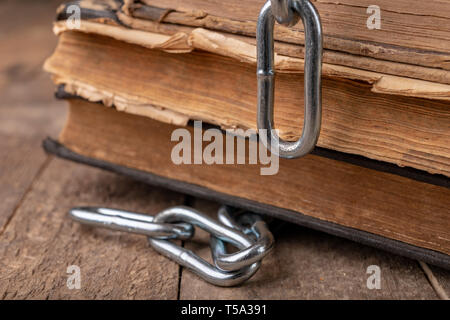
(381,209)
(383,102)
(136,71)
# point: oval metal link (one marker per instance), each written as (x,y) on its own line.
(266,79)
(261,247)
(196,218)
(203,269)
(177,223)
(130,222)
(192,261)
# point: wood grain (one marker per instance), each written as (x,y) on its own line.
(41,241)
(37,241)
(310,265)
(22,158)
(405,131)
(28,112)
(381,203)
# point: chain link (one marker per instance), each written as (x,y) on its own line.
(131,222)
(249,234)
(288,12)
(250,224)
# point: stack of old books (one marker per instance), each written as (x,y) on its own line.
(140,75)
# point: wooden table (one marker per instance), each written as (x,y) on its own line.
(38,241)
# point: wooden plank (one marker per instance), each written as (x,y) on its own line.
(27,39)
(41,241)
(311,265)
(22,157)
(405,131)
(376,202)
(27,108)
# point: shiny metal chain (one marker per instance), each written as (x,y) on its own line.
(288,12)
(249,234)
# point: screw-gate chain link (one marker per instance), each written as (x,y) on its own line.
(288,12)
(252,238)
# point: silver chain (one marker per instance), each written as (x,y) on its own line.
(249,233)
(288,12)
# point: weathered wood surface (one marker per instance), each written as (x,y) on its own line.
(22,157)
(39,242)
(28,112)
(309,265)
(405,131)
